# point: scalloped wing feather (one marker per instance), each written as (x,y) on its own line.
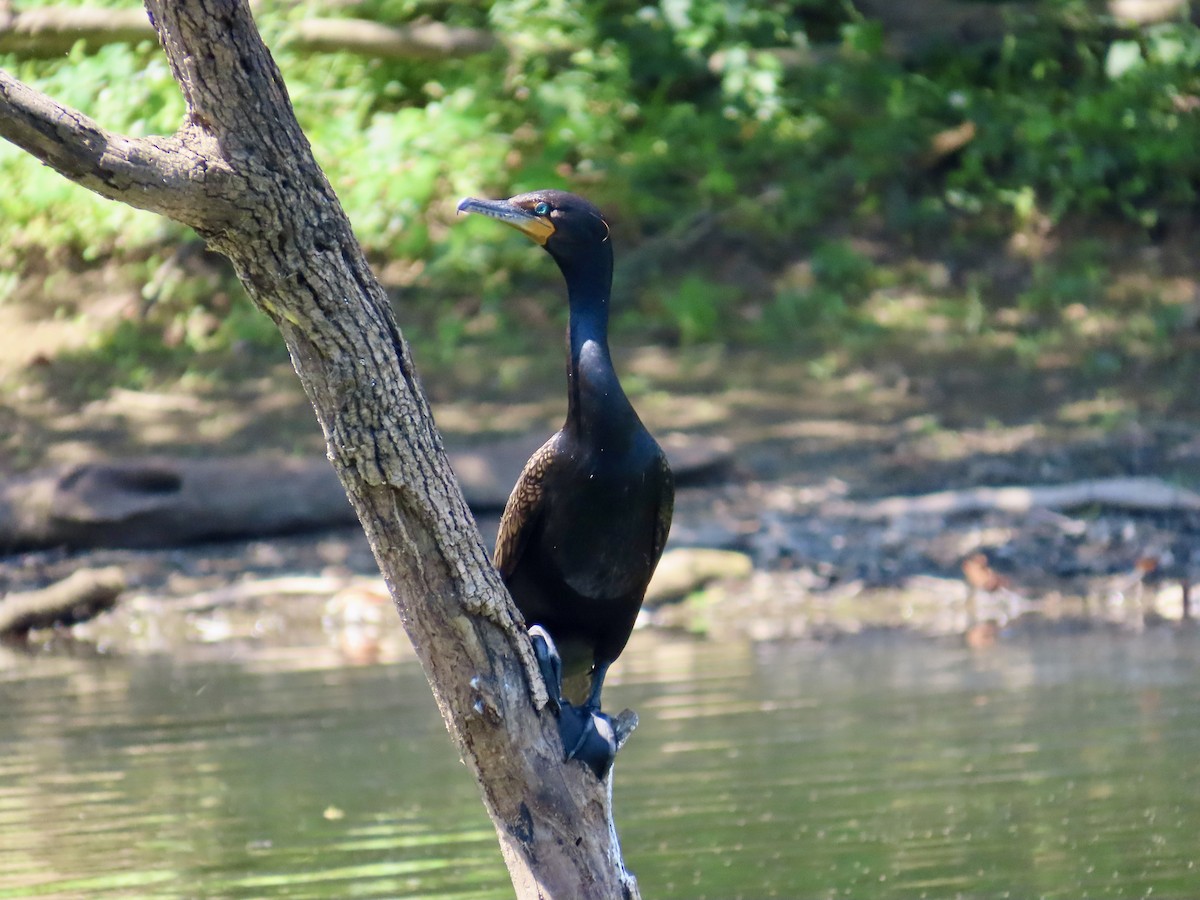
(523,508)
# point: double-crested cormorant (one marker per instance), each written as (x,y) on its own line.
(586,522)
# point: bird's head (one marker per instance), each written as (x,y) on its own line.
(568,226)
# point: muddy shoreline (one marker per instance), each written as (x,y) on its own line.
(800,448)
(793,571)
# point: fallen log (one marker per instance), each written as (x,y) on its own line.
(165,502)
(168,502)
(255,590)
(1149,494)
(424,40)
(53,30)
(80,596)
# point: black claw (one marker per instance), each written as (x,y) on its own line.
(549,664)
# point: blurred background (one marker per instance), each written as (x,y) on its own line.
(874,263)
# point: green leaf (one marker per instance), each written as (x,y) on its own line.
(1122,57)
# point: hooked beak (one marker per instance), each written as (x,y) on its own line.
(537,228)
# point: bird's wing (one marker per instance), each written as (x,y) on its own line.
(523,508)
(666,508)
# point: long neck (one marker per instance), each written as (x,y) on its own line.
(596,406)
(587,325)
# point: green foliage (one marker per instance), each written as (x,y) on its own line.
(838,266)
(824,299)
(1083,124)
(679,108)
(696,307)
(772,123)
(129,89)
(1078,276)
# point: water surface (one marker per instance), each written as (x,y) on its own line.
(1058,767)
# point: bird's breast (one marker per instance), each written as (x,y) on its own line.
(602,538)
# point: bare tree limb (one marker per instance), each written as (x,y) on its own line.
(427,40)
(1143,494)
(163,502)
(54,30)
(160,174)
(257,195)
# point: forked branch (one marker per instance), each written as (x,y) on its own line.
(161,174)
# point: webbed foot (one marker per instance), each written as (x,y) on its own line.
(586,733)
(588,736)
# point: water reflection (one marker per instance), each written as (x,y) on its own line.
(1058,767)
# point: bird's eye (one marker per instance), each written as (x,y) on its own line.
(542,208)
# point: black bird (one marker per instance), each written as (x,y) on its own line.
(586,522)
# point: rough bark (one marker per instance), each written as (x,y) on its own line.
(240,172)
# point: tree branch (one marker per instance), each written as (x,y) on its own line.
(1133,493)
(159,174)
(266,205)
(428,40)
(54,30)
